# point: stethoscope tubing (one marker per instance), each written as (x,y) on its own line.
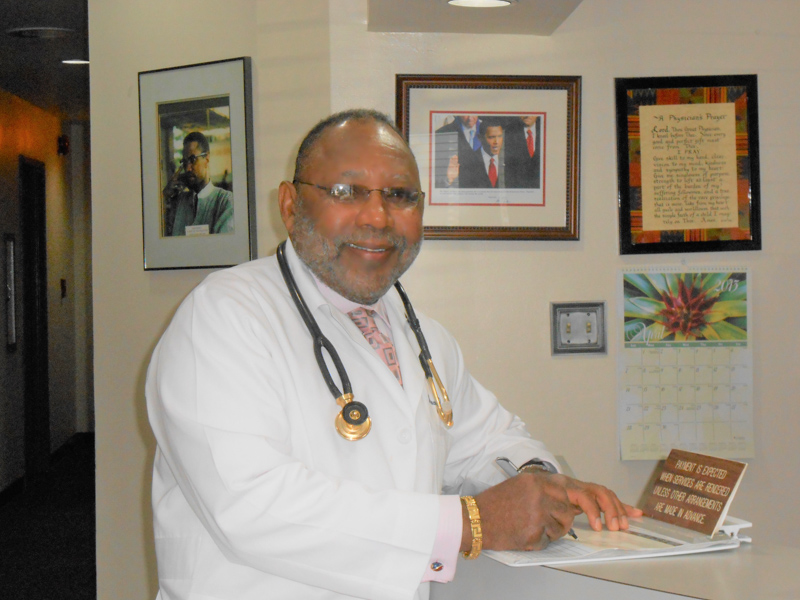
(320,341)
(353,422)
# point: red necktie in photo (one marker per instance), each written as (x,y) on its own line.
(530,143)
(492,172)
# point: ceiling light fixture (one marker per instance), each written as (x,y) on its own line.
(75,61)
(480,3)
(41,33)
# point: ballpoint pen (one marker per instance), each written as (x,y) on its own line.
(512,471)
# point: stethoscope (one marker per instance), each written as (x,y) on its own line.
(353,422)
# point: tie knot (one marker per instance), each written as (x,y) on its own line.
(363,317)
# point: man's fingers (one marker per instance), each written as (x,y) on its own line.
(596,500)
(632,511)
(539,543)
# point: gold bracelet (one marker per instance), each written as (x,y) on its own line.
(475,526)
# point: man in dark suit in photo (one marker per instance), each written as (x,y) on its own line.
(456,143)
(487,167)
(523,152)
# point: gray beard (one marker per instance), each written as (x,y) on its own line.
(319,254)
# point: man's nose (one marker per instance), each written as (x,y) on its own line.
(373,211)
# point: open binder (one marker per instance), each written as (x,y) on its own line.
(645,538)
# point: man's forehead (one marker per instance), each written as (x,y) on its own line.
(361,131)
(347,143)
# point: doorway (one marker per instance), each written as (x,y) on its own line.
(33,246)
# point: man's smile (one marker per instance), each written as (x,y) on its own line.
(367,249)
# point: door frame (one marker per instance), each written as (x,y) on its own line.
(33,250)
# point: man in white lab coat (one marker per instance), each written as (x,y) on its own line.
(255,492)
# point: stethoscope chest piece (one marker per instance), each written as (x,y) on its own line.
(352,422)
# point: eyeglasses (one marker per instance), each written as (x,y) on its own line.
(346,193)
(192,158)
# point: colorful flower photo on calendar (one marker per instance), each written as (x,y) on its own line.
(685,307)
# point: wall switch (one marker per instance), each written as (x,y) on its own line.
(578,327)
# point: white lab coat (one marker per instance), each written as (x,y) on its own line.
(255,494)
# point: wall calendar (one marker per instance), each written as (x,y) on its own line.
(685,372)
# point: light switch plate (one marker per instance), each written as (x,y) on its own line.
(578,327)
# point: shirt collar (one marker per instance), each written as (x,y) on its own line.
(345,305)
(206,191)
(487,157)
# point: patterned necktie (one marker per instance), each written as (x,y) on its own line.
(492,172)
(365,321)
(530,143)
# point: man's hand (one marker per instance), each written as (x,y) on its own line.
(530,510)
(174,186)
(452,169)
(594,499)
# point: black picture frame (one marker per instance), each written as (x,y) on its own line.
(665,205)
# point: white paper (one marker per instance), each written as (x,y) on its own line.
(646,538)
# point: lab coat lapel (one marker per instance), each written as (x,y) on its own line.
(407,349)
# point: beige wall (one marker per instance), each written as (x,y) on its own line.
(486,293)
(288,42)
(569,402)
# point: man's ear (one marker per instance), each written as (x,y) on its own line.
(287,203)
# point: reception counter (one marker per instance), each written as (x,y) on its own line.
(750,572)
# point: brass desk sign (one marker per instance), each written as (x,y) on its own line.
(694,491)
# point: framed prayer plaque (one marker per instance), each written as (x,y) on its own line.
(687,162)
(497,155)
(198,183)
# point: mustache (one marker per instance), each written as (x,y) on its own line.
(369,234)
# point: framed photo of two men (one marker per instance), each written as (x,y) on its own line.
(498,155)
(198,191)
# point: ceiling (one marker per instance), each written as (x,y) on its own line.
(32,68)
(526,17)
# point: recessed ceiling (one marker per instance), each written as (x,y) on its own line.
(30,65)
(526,17)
